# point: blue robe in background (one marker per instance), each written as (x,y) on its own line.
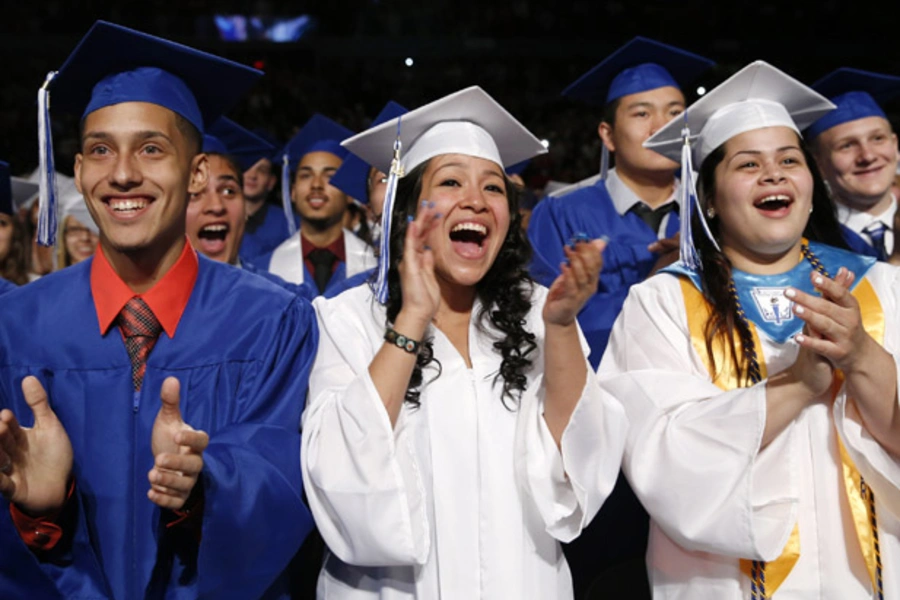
(858,243)
(626,260)
(264,231)
(348,283)
(242,352)
(305,289)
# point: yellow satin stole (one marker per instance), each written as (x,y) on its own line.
(698,313)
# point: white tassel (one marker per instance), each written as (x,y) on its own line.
(384,257)
(286,195)
(48,207)
(604,161)
(689,202)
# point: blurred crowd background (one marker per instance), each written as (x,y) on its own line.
(354,55)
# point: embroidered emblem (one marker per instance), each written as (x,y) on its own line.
(772,304)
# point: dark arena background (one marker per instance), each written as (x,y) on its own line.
(346,58)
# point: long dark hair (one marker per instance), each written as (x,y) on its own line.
(724,321)
(14,266)
(505,292)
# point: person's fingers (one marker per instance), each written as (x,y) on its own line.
(171,481)
(820,346)
(817,304)
(11,434)
(577,267)
(192,441)
(167,499)
(36,398)
(170,394)
(832,290)
(823,325)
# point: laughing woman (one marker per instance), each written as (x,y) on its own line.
(455,433)
(760,379)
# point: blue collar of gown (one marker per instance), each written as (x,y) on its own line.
(762,296)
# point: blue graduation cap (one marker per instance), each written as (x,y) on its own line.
(639,66)
(518,168)
(113,64)
(352,177)
(266,135)
(857,95)
(244,145)
(213,144)
(319,134)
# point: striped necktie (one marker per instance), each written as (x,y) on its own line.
(876,232)
(141,328)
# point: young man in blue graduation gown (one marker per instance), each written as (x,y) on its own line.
(140,469)
(217,215)
(322,251)
(638,87)
(856,151)
(639,90)
(267,226)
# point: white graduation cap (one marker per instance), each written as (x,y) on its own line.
(466,122)
(72,204)
(24,192)
(757,96)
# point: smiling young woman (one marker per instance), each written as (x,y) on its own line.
(461,436)
(757,372)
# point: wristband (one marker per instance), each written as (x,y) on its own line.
(392,336)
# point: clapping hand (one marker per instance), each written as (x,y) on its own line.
(177,450)
(577,281)
(35,462)
(421,294)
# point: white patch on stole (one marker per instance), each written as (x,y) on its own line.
(773,306)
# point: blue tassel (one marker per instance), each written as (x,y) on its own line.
(384,257)
(48,207)
(604,161)
(286,195)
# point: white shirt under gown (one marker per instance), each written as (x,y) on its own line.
(693,459)
(465,497)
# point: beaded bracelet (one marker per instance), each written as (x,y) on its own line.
(392,336)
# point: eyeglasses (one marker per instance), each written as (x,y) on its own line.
(76,231)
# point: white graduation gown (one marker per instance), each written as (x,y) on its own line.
(463,498)
(693,459)
(287,258)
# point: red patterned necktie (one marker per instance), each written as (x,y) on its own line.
(141,328)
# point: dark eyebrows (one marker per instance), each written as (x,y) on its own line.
(142,136)
(312,170)
(227,177)
(759,152)
(645,104)
(487,171)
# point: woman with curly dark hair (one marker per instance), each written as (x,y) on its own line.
(14,245)
(759,373)
(455,433)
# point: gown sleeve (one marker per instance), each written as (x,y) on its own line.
(568,484)
(251,475)
(879,467)
(693,451)
(362,482)
(553,223)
